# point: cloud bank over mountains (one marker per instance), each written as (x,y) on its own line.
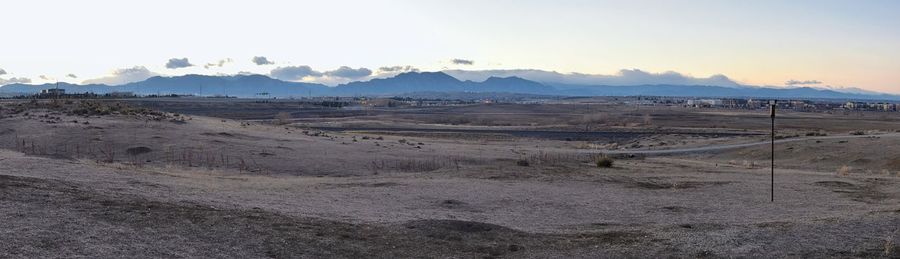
(348,74)
(625,77)
(343,74)
(803,82)
(123,76)
(397,69)
(249,86)
(12,80)
(15,80)
(294,73)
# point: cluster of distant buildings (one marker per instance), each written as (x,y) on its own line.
(55,93)
(752,104)
(728,103)
(877,106)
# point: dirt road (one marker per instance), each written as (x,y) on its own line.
(735,146)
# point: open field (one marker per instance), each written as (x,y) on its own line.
(233,178)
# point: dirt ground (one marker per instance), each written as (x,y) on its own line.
(139,183)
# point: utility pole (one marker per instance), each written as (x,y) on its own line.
(772,105)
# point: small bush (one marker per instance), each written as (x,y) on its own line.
(522,162)
(749,164)
(816,134)
(857,133)
(604,162)
(283,118)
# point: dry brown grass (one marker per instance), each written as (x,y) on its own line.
(283,118)
(414,165)
(889,244)
(844,170)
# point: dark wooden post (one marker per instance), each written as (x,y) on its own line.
(773,105)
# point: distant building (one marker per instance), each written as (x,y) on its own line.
(734,103)
(121,94)
(855,105)
(53,91)
(704,103)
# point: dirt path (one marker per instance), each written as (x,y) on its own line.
(732,146)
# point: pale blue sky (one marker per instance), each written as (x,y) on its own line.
(840,43)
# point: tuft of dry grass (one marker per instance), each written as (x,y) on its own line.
(889,244)
(844,170)
(749,164)
(283,118)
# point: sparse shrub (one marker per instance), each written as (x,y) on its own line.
(786,136)
(604,162)
(857,133)
(522,162)
(844,170)
(749,164)
(283,118)
(816,134)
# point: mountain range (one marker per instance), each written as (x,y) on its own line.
(248,86)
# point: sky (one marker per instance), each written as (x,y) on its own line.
(776,43)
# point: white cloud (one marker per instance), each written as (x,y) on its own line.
(350,73)
(15,80)
(2,72)
(175,63)
(259,60)
(219,63)
(123,76)
(397,69)
(305,73)
(466,62)
(294,73)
